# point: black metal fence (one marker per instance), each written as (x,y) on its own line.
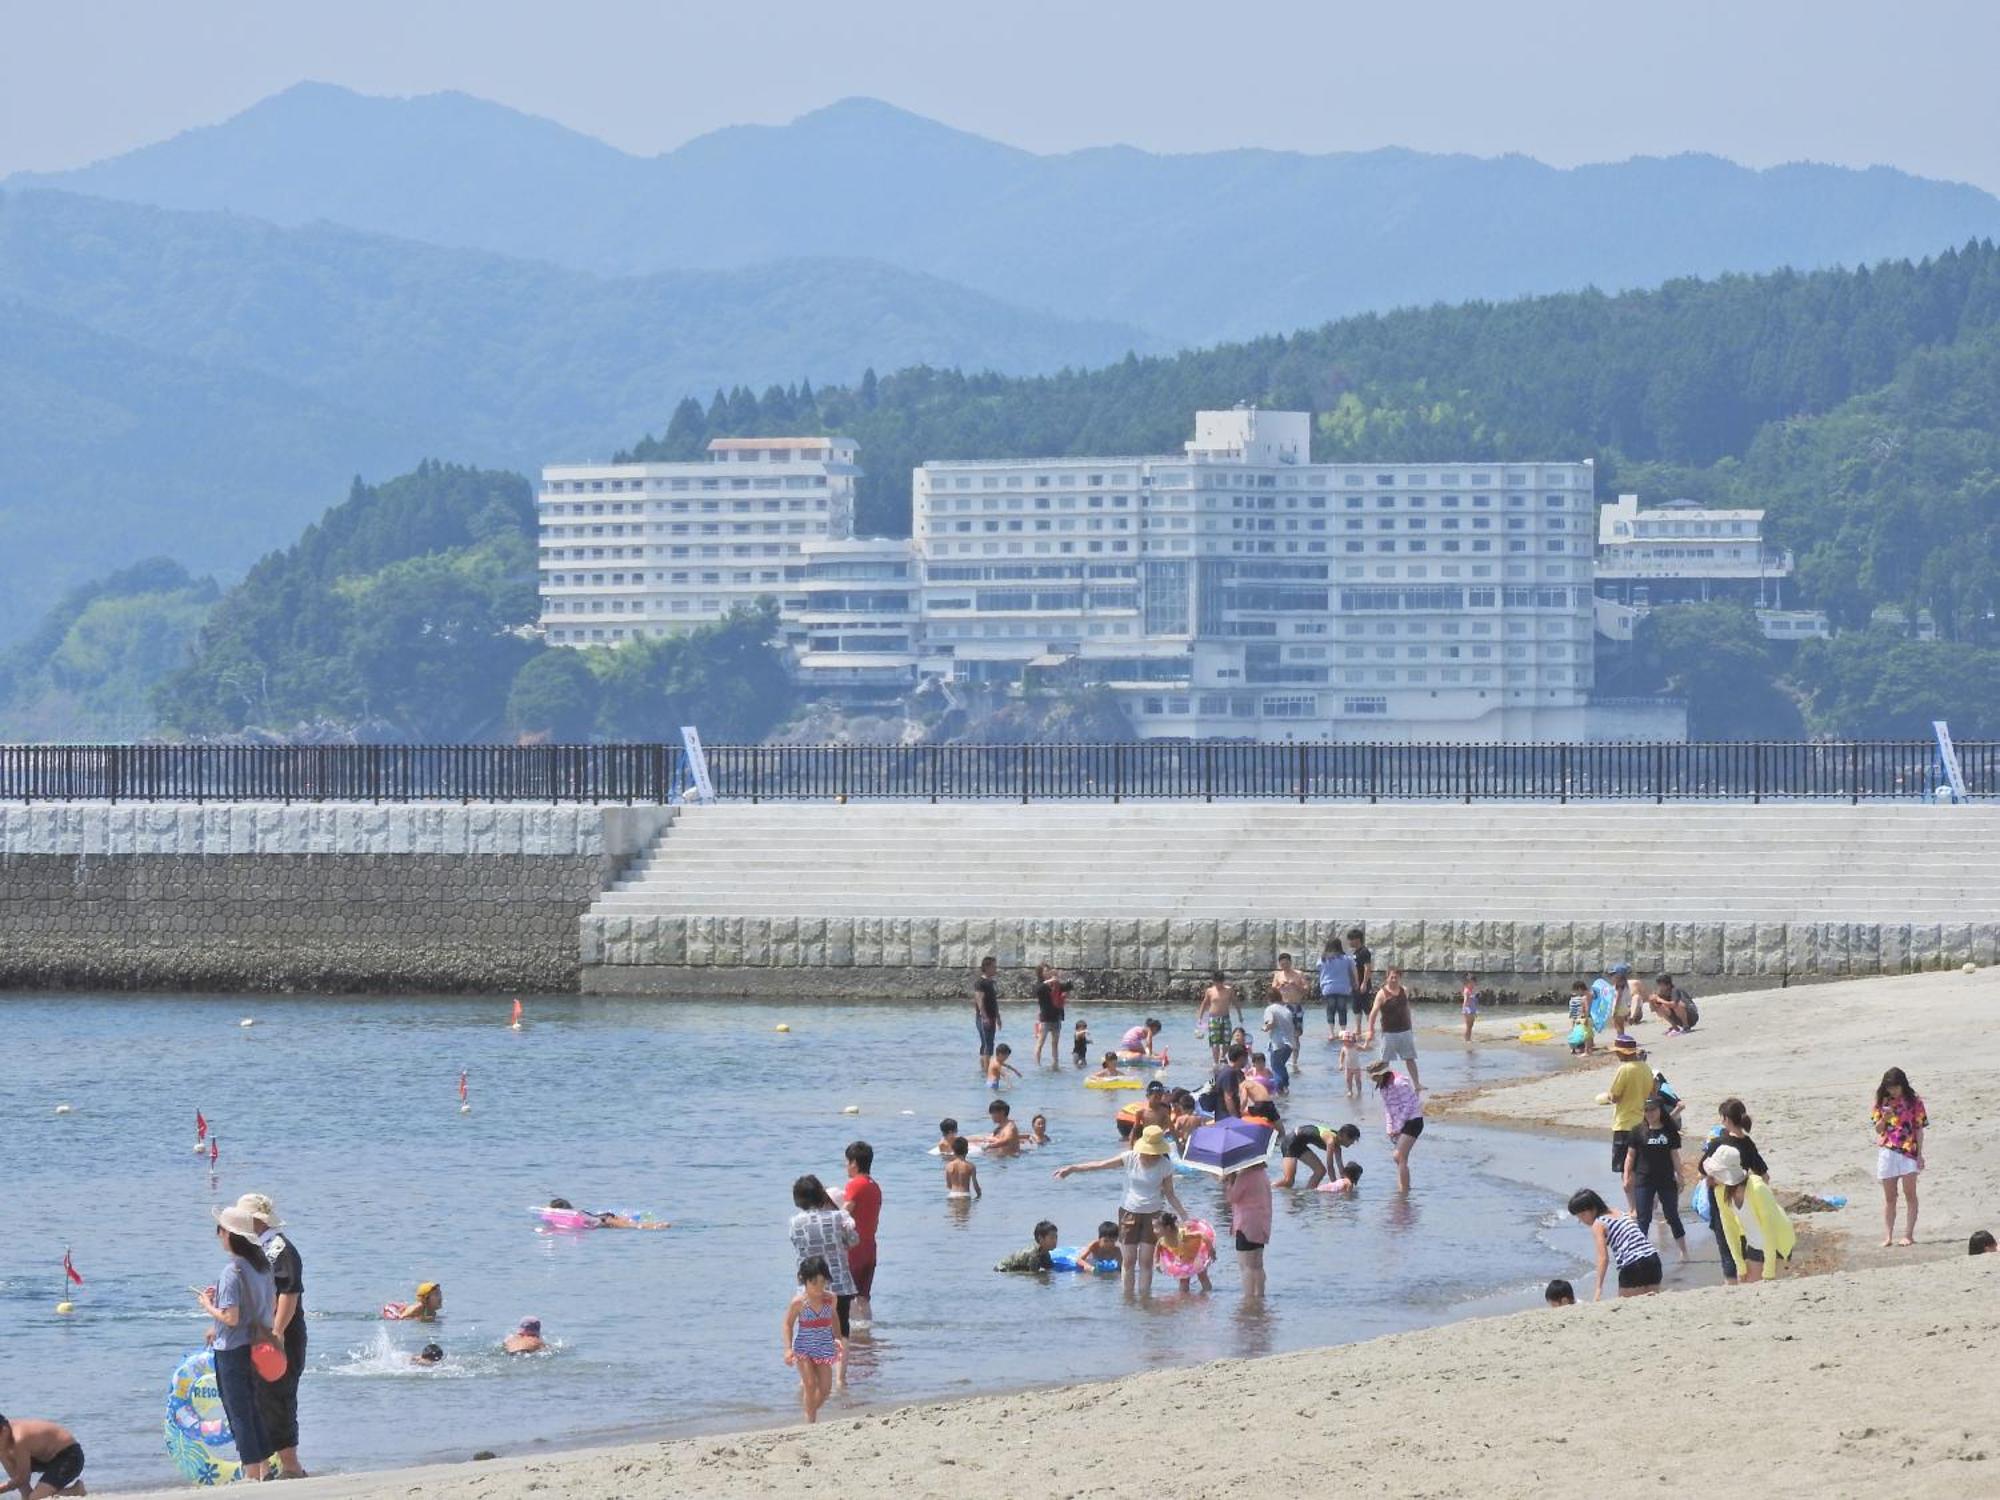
(1163,770)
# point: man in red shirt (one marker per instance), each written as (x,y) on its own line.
(863,1198)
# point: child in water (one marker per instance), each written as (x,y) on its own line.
(813,1346)
(947,1129)
(1353,1058)
(527,1339)
(1345,1181)
(997,1066)
(1180,1248)
(429,1303)
(1468,1002)
(1109,1067)
(1038,1256)
(1038,1130)
(1079,1047)
(961,1177)
(1104,1252)
(430,1354)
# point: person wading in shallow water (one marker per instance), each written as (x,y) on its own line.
(986,1008)
(1390,1019)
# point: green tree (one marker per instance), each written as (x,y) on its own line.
(554,698)
(1716,657)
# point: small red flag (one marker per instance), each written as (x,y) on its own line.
(517,1013)
(200,1127)
(214,1149)
(461,1084)
(70,1270)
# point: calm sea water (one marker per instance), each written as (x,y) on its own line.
(347,1113)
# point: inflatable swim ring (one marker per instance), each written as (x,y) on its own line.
(1070,1258)
(972,1148)
(197,1428)
(1201,1260)
(1534,1033)
(1112,1083)
(565,1218)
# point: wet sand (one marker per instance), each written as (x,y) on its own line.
(1868,1381)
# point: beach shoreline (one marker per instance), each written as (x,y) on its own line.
(1819,1329)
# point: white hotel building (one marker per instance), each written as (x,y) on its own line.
(1233,590)
(647,549)
(1239,590)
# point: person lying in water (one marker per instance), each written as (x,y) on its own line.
(527,1339)
(609,1221)
(429,1303)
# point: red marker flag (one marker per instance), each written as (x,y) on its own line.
(200,1127)
(214,1149)
(461,1085)
(70,1270)
(517,1013)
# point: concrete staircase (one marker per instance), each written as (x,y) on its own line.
(1339,862)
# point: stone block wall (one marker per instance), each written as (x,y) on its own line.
(265,896)
(933,958)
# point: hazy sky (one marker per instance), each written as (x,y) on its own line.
(1903,82)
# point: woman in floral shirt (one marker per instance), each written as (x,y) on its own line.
(1899,1134)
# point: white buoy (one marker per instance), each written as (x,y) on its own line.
(62,1109)
(781,1026)
(65,1308)
(1970,967)
(851,1109)
(465,1109)
(247,1021)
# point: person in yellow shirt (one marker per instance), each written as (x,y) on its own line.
(1630,1087)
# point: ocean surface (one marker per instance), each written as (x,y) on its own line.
(346,1112)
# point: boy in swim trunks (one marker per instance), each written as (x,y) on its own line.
(31,1447)
(1217,1002)
(961,1177)
(1005,1139)
(1079,1047)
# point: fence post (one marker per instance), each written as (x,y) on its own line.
(1302,771)
(1562,771)
(1465,772)
(1757,772)
(1118,771)
(1024,772)
(1659,774)
(1374,772)
(1853,773)
(1207,770)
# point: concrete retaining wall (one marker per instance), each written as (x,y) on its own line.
(251,896)
(933,958)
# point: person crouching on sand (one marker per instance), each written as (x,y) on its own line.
(1619,1238)
(29,1447)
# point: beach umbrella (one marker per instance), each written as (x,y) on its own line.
(1221,1148)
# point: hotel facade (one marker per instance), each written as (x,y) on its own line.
(1234,589)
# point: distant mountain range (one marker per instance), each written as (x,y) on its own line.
(198,383)
(1190,248)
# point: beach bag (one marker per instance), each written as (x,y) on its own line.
(1698,1202)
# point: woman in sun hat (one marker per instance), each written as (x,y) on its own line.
(1149,1189)
(241,1303)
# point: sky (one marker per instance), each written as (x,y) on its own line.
(1905,83)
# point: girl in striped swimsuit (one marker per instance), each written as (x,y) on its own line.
(1619,1238)
(811,1344)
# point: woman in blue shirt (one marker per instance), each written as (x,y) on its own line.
(241,1302)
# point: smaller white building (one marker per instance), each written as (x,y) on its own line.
(632,550)
(853,616)
(1680,552)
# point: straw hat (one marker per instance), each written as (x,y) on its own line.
(1152,1142)
(1624,1046)
(260,1207)
(237,1220)
(1380,1069)
(1725,1165)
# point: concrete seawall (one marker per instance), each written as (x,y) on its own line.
(1147,899)
(250,896)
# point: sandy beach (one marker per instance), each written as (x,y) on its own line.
(1870,1380)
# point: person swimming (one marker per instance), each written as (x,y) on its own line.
(429,1303)
(609,1221)
(526,1339)
(430,1354)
